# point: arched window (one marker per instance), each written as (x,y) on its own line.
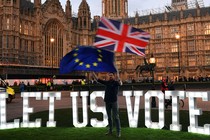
(207,28)
(53,49)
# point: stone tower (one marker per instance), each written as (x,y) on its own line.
(84,16)
(9,29)
(179,4)
(115,9)
(84,23)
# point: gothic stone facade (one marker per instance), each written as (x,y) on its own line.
(26,30)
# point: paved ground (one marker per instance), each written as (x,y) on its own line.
(15,109)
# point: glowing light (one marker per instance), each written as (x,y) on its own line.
(175,126)
(133,115)
(74,96)
(194,111)
(148,121)
(27,110)
(52,96)
(95,108)
(3,123)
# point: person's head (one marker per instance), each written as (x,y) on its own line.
(163,80)
(111,76)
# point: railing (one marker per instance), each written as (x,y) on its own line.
(203,86)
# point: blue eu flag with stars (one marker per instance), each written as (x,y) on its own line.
(87,58)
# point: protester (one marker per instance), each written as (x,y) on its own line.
(164,87)
(22,87)
(48,84)
(170,87)
(83,82)
(111,101)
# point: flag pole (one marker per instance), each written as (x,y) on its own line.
(88,80)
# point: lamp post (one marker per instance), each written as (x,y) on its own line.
(152,63)
(52,40)
(177,36)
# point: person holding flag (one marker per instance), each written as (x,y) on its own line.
(115,36)
(111,36)
(111,102)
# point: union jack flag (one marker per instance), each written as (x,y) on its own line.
(115,36)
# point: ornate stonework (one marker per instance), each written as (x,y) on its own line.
(115,8)
(26,29)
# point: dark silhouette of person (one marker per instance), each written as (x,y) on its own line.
(111,101)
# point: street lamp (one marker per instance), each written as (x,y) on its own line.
(52,40)
(152,62)
(177,36)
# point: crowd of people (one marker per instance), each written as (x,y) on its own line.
(177,79)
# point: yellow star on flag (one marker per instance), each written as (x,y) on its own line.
(99,50)
(100,55)
(99,60)
(76,60)
(81,63)
(75,54)
(95,64)
(87,65)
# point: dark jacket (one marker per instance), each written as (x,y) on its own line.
(111,91)
(171,86)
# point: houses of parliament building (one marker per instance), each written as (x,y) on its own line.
(34,36)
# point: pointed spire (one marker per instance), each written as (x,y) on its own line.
(37,3)
(84,5)
(68,9)
(84,15)
(137,14)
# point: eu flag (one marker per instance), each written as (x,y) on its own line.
(87,58)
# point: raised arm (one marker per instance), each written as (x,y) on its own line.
(118,78)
